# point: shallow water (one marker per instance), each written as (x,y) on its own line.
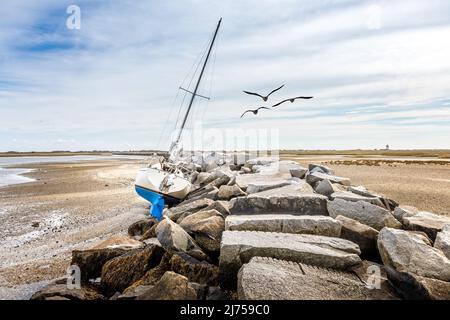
(9,176)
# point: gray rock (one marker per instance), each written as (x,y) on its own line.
(427,222)
(324,169)
(120,272)
(171,286)
(271,279)
(90,261)
(404,211)
(411,252)
(222,206)
(414,287)
(56,291)
(175,212)
(314,177)
(202,177)
(364,212)
(350,196)
(297,199)
(206,227)
(442,242)
(364,236)
(246,170)
(324,187)
(196,271)
(228,192)
(263,185)
(136,293)
(299,172)
(284,223)
(140,227)
(174,239)
(238,247)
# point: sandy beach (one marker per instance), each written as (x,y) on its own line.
(70,205)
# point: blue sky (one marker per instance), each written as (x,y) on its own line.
(379,72)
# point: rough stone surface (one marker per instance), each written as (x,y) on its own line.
(195,270)
(411,252)
(175,212)
(140,227)
(261,185)
(404,211)
(314,177)
(174,239)
(297,199)
(284,223)
(363,235)
(415,287)
(238,247)
(171,286)
(350,196)
(206,227)
(271,279)
(325,169)
(120,272)
(202,177)
(366,213)
(91,261)
(222,206)
(228,192)
(150,233)
(61,292)
(442,242)
(325,188)
(298,172)
(427,222)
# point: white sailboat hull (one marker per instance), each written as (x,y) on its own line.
(152,180)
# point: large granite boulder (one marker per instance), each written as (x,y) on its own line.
(120,272)
(323,168)
(325,188)
(363,235)
(314,177)
(427,222)
(139,227)
(91,261)
(442,241)
(350,196)
(271,279)
(414,287)
(171,286)
(284,223)
(222,206)
(238,247)
(299,172)
(206,228)
(364,212)
(297,199)
(411,252)
(174,239)
(60,291)
(228,192)
(195,270)
(404,211)
(190,207)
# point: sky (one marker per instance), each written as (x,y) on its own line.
(379,72)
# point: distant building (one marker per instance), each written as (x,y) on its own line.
(387,147)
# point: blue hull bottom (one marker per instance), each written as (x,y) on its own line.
(157,200)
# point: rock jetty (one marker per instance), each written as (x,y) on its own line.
(269,229)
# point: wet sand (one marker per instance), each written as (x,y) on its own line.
(69,206)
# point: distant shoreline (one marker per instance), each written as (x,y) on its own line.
(438,153)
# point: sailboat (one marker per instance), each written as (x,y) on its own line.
(167,182)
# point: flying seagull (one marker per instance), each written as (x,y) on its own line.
(255,112)
(291,100)
(263,97)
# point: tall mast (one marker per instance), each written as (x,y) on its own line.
(194,94)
